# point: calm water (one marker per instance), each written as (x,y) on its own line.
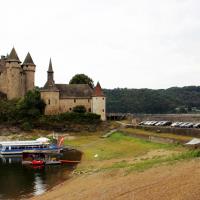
(21,182)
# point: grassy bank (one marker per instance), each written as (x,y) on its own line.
(141,132)
(125,152)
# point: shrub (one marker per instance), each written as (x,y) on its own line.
(71,117)
(26,126)
(79,109)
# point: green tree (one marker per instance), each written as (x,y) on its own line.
(31,106)
(82,79)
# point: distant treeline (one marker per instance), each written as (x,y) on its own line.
(172,100)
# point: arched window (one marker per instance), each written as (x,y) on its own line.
(49,101)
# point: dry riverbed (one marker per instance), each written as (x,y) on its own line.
(123,167)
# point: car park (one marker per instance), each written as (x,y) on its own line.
(172,124)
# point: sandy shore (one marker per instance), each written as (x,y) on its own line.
(180,181)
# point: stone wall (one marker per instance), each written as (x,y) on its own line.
(67,105)
(99,106)
(29,78)
(52,102)
(15,79)
(3,81)
(178,131)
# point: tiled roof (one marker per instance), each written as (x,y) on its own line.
(74,90)
(98,92)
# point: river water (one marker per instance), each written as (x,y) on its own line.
(22,182)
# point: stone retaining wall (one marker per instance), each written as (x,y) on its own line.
(193,132)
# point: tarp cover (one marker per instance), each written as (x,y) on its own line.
(194,141)
(42,139)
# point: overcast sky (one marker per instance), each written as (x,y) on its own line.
(121,43)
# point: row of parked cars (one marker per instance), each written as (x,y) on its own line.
(172,124)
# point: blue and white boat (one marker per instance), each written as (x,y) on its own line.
(17,147)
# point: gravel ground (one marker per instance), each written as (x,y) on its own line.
(180,181)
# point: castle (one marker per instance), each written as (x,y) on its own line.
(16,79)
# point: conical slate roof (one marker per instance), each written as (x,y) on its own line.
(98,92)
(50,66)
(13,56)
(28,60)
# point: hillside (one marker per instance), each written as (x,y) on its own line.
(171,100)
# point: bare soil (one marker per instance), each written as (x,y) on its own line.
(180,181)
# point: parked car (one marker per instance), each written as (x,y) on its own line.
(166,123)
(183,125)
(197,125)
(141,123)
(189,125)
(176,124)
(159,123)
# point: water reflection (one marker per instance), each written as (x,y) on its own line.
(21,182)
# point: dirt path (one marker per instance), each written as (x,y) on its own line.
(180,181)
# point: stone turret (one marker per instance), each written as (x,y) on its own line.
(14,76)
(99,102)
(29,70)
(50,93)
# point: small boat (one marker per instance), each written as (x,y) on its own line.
(37,162)
(39,157)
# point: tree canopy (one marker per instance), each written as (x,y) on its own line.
(82,79)
(171,100)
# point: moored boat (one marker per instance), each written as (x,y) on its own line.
(17,147)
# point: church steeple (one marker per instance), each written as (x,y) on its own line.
(50,67)
(50,84)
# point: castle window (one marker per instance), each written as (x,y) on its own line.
(103,110)
(49,101)
(89,110)
(88,101)
(103,98)
(70,109)
(74,100)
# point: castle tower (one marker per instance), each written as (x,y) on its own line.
(29,70)
(99,102)
(50,93)
(14,76)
